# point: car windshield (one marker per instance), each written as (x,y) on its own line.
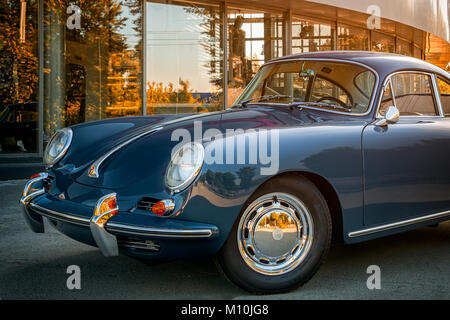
(335,86)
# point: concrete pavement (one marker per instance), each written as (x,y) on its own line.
(414,265)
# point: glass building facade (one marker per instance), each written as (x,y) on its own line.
(66,62)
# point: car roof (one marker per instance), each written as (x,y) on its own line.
(383,63)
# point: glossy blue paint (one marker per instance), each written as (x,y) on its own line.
(379,175)
(406,169)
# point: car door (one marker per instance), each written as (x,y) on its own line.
(406,164)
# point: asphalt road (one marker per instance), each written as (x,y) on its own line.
(414,265)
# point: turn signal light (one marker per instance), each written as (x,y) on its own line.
(34,176)
(163,207)
(106,208)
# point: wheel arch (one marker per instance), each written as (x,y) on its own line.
(329,193)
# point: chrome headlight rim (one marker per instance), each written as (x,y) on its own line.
(198,167)
(69,134)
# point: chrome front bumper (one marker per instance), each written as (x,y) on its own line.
(105,236)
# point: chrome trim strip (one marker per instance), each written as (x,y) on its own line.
(26,199)
(437,95)
(399,224)
(161,232)
(128,229)
(372,98)
(59,216)
(95,167)
(26,195)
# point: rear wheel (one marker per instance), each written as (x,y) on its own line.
(280,238)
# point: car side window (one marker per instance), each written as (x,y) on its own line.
(444,90)
(413,94)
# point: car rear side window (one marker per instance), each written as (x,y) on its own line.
(444,90)
(413,94)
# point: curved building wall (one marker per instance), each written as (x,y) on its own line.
(428,15)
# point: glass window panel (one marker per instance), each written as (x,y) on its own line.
(324,90)
(365,82)
(418,37)
(352,38)
(417,52)
(382,42)
(253,39)
(325,84)
(412,93)
(19,76)
(403,47)
(311,36)
(184,58)
(257,30)
(92,69)
(404,31)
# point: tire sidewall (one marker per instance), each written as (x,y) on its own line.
(237,270)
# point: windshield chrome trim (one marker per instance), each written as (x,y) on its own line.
(95,167)
(372,98)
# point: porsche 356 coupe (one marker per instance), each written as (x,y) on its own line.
(345,146)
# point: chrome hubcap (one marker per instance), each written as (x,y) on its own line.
(275,233)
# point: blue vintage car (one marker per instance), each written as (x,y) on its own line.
(344,146)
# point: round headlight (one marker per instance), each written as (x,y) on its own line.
(57,146)
(184,166)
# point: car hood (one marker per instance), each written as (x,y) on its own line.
(148,156)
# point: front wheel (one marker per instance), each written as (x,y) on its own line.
(280,238)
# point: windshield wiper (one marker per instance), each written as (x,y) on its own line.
(264,98)
(319,104)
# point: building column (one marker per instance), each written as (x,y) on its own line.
(54,73)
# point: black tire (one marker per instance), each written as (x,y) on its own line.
(232,264)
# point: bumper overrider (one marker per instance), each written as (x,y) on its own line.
(107,233)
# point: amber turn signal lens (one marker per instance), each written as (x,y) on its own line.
(106,208)
(109,204)
(34,176)
(159,208)
(163,207)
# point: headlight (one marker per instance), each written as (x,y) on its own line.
(184,166)
(58,145)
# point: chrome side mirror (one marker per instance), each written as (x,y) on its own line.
(391,116)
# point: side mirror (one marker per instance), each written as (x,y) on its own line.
(391,116)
